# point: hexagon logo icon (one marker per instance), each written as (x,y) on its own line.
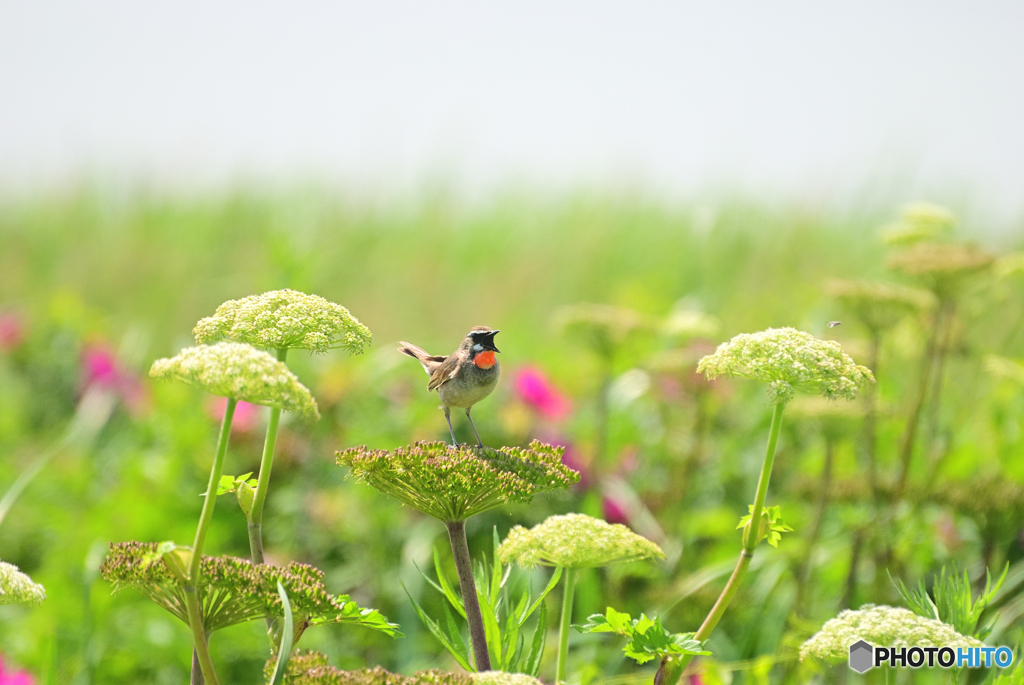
(861,656)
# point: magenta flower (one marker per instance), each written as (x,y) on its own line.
(12,331)
(614,511)
(101,369)
(246,416)
(534,388)
(12,677)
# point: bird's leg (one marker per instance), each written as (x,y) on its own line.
(448,417)
(478,440)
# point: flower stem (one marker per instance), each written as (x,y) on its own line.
(750,539)
(464,567)
(263,480)
(563,633)
(197,670)
(195,619)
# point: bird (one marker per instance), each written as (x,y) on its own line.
(833,324)
(464,377)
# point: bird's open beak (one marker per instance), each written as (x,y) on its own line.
(489,343)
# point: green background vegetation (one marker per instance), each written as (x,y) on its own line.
(134,273)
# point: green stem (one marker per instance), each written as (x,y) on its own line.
(263,480)
(464,567)
(195,619)
(750,539)
(563,633)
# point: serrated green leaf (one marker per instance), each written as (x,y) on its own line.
(532,665)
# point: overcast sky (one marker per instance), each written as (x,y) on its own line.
(802,98)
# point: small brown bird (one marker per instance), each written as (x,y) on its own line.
(464,377)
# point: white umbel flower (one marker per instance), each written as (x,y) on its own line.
(18,588)
(502,678)
(240,372)
(788,360)
(285,319)
(882,626)
(576,541)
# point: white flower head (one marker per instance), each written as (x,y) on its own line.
(880,306)
(17,588)
(240,372)
(502,678)
(285,319)
(882,626)
(919,222)
(788,360)
(576,541)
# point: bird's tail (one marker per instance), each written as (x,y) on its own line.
(420,355)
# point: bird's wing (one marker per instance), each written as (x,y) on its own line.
(444,372)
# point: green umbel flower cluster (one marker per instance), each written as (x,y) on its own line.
(788,360)
(285,319)
(919,222)
(603,327)
(502,678)
(234,591)
(880,625)
(576,541)
(311,668)
(239,371)
(880,306)
(941,267)
(453,483)
(18,588)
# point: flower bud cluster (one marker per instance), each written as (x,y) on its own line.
(919,222)
(576,541)
(285,319)
(883,626)
(233,590)
(453,483)
(788,360)
(880,306)
(311,668)
(18,588)
(944,268)
(241,372)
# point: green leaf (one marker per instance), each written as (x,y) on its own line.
(648,639)
(457,652)
(540,634)
(596,623)
(492,633)
(284,648)
(540,600)
(446,587)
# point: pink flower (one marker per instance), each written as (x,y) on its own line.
(100,367)
(12,331)
(695,679)
(533,388)
(13,678)
(614,511)
(246,416)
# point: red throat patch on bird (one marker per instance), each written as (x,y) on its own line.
(484,360)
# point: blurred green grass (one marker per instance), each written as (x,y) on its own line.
(136,272)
